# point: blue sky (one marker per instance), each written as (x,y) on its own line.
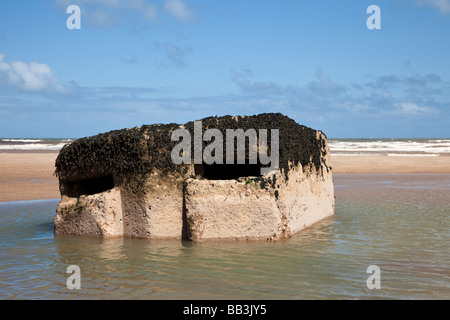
(137,62)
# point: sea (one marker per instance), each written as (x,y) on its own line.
(387,147)
(390,147)
(389,239)
(33,144)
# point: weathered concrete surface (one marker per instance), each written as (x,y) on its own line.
(304,200)
(156,212)
(123,183)
(97,215)
(307,196)
(230,210)
(252,209)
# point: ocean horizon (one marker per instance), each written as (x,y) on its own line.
(338,146)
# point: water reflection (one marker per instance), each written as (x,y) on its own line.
(405,231)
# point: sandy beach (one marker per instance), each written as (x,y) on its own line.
(389,164)
(29,175)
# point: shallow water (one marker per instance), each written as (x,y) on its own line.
(397,222)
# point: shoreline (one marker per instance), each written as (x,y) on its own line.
(29,175)
(382,164)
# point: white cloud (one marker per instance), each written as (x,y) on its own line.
(179,10)
(150,12)
(262,88)
(119,4)
(31,76)
(324,86)
(413,97)
(413,109)
(107,13)
(175,55)
(442,5)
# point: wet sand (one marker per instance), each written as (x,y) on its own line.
(390,164)
(29,175)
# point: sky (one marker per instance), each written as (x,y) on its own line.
(135,62)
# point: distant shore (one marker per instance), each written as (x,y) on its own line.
(389,164)
(28,175)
